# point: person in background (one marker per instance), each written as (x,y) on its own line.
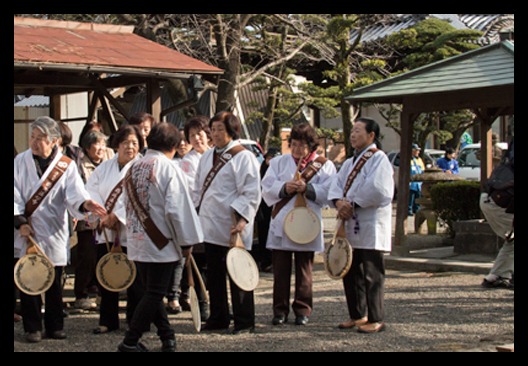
(103,184)
(263,255)
(465,139)
(367,213)
(280,184)
(198,134)
(17,317)
(448,163)
(417,167)
(501,222)
(173,292)
(97,126)
(145,122)
(45,218)
(235,190)
(95,152)
(156,184)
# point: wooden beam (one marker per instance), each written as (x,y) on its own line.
(154,99)
(55,107)
(486,118)
(101,88)
(496,97)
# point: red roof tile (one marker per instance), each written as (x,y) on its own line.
(57,42)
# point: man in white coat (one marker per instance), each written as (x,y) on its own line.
(160,219)
(49,186)
(365,207)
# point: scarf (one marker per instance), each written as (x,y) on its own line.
(306,160)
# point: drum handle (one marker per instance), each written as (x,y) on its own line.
(199,275)
(236,240)
(190,279)
(106,240)
(38,248)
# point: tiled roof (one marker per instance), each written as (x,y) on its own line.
(482,22)
(488,66)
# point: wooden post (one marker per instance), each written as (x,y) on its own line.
(154,99)
(406,120)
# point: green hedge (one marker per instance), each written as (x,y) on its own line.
(454,201)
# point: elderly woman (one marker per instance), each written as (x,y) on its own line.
(49,186)
(234,189)
(95,151)
(105,180)
(279,186)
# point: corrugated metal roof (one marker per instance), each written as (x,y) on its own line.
(481,22)
(491,65)
(33,101)
(56,42)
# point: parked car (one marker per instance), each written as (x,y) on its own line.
(254,147)
(469,163)
(429,157)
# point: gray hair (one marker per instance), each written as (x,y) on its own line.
(47,126)
(91,138)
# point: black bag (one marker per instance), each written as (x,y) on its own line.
(501,184)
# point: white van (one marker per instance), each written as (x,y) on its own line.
(468,162)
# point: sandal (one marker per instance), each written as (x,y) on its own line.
(101,329)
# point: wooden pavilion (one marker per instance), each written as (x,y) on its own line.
(481,80)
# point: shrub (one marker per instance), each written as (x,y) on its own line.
(455,201)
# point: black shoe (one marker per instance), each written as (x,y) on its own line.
(185,305)
(34,337)
(241,331)
(168,345)
(57,334)
(139,347)
(174,309)
(279,320)
(498,283)
(301,320)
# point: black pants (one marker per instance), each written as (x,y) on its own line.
(364,285)
(155,278)
(15,288)
(53,316)
(243,301)
(86,261)
(199,258)
(282,268)
(109,307)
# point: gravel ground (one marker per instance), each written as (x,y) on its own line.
(438,312)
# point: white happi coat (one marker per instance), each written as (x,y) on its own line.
(100,184)
(235,187)
(372,190)
(169,206)
(189,165)
(282,169)
(50,220)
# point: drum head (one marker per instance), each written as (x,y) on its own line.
(242,268)
(338,258)
(115,272)
(301,225)
(195,309)
(34,274)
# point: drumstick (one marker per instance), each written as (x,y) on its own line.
(39,249)
(199,275)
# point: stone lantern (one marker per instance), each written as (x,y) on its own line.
(429,177)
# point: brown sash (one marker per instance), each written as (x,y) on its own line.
(353,174)
(114,195)
(222,160)
(151,229)
(46,186)
(308,173)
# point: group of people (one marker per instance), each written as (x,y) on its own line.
(167,194)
